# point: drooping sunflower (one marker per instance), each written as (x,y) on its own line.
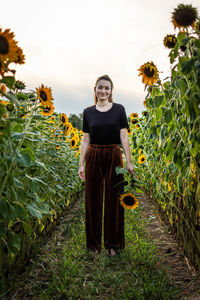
(8,46)
(73,143)
(63,119)
(128,201)
(141,159)
(149,73)
(170,41)
(47,110)
(44,94)
(184,16)
(134,115)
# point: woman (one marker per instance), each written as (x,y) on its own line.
(105,127)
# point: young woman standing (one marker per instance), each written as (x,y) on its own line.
(105,128)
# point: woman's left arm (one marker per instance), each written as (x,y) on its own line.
(126,147)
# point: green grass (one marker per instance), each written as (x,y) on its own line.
(135,273)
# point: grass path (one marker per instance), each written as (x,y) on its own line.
(63,269)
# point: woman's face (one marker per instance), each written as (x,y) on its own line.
(103,89)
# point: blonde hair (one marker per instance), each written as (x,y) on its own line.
(103,77)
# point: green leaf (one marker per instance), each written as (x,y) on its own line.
(187,66)
(17,183)
(9,81)
(168,116)
(158,100)
(34,211)
(17,135)
(35,179)
(120,170)
(27,228)
(26,157)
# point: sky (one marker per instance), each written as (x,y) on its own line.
(68,44)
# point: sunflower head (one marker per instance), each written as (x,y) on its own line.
(8,46)
(128,201)
(141,159)
(149,73)
(63,119)
(20,57)
(134,121)
(144,113)
(73,143)
(129,131)
(170,41)
(47,110)
(134,115)
(184,15)
(44,94)
(20,85)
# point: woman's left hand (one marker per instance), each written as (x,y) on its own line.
(129,167)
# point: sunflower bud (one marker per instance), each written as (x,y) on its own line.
(9,107)
(20,85)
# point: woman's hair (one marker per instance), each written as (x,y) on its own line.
(104,77)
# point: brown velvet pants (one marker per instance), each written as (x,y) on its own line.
(100,163)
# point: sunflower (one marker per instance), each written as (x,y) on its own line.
(44,94)
(19,85)
(170,41)
(63,119)
(144,113)
(141,159)
(137,126)
(8,46)
(144,102)
(128,201)
(20,57)
(3,102)
(78,153)
(149,73)
(184,15)
(73,143)
(47,110)
(52,119)
(2,89)
(134,121)
(140,151)
(129,131)
(57,147)
(134,115)
(68,127)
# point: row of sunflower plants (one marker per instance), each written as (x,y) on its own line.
(165,142)
(39,152)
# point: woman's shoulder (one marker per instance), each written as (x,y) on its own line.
(89,108)
(119,106)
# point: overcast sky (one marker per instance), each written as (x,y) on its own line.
(68,44)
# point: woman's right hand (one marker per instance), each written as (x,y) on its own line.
(81,172)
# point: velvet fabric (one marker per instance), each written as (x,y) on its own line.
(100,175)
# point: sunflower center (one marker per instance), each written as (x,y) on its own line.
(73,142)
(185,16)
(142,159)
(149,72)
(43,95)
(63,119)
(129,200)
(4,46)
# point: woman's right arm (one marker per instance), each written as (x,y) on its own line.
(84,146)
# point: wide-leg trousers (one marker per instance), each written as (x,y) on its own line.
(100,164)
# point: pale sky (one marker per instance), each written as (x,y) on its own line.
(68,44)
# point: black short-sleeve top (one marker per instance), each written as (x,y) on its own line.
(104,127)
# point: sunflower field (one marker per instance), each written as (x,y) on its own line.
(165,142)
(39,152)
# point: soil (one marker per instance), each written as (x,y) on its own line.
(179,269)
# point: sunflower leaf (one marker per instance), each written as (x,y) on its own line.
(120,170)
